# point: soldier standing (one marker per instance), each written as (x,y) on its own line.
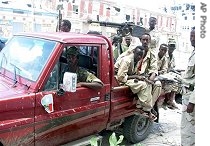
(188,101)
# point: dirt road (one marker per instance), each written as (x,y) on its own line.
(164,133)
(167,131)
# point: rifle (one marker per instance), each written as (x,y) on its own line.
(123,28)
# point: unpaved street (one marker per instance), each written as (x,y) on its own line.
(167,131)
(164,133)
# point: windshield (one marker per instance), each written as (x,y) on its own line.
(25,56)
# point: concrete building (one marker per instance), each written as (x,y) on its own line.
(185,14)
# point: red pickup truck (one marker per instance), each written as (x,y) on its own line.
(34,108)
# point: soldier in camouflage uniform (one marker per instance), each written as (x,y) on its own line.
(154,35)
(127,73)
(188,100)
(84,78)
(124,45)
(170,56)
(162,60)
(162,69)
(171,89)
(149,68)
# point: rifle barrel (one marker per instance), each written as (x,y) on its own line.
(111,24)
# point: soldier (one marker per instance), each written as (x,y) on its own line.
(162,69)
(154,35)
(84,78)
(117,46)
(172,88)
(188,101)
(127,73)
(168,93)
(148,68)
(65,26)
(162,59)
(126,45)
(170,56)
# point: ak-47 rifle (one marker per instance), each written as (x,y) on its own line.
(123,28)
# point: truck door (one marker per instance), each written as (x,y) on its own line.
(70,115)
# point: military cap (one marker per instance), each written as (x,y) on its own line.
(72,51)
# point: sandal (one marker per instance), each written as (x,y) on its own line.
(152,117)
(147,114)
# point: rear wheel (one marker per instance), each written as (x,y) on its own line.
(136,128)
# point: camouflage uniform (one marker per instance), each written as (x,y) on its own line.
(126,53)
(172,86)
(124,68)
(188,119)
(162,69)
(154,39)
(83,75)
(171,62)
(162,65)
(149,65)
(115,50)
(167,87)
(124,47)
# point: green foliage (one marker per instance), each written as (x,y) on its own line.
(93,141)
(113,140)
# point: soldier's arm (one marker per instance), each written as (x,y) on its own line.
(153,68)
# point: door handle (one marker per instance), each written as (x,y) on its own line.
(94,99)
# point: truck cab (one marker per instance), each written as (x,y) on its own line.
(37,110)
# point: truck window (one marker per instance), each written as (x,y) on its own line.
(52,82)
(88,59)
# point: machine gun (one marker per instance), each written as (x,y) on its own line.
(123,29)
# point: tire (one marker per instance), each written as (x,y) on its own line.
(136,128)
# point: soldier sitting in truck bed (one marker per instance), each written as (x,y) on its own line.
(126,70)
(148,67)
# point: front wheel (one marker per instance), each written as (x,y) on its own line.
(136,128)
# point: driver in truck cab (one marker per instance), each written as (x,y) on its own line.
(84,77)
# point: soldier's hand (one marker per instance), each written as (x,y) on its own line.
(141,78)
(79,85)
(190,107)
